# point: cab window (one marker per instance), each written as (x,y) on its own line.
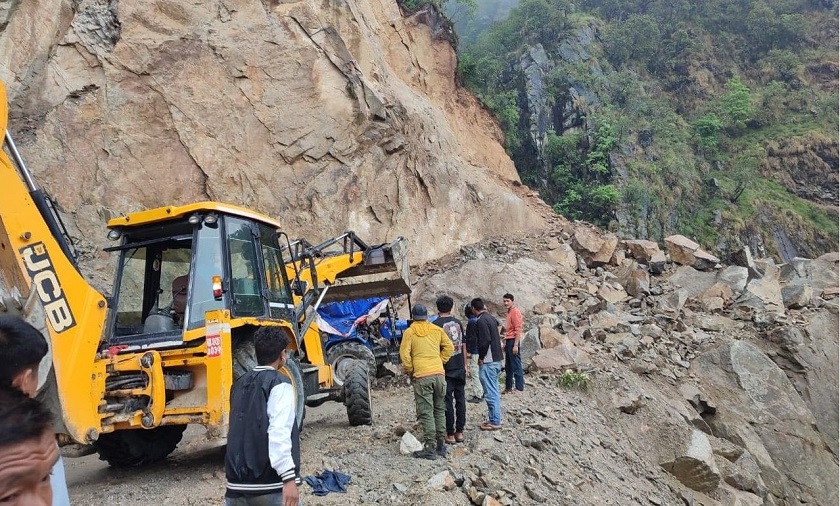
(245,290)
(279,296)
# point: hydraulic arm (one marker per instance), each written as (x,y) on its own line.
(39,280)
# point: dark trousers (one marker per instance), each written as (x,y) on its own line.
(513,367)
(455,416)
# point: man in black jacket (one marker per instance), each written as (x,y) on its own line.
(489,363)
(262,462)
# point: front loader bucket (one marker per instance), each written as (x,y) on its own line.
(382,273)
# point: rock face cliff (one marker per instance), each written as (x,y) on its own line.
(334,116)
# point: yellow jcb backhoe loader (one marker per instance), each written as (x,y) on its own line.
(126,373)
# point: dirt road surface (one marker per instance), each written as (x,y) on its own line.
(556,448)
(194,473)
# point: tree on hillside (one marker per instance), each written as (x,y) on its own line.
(737,104)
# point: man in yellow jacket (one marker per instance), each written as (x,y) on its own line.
(423,351)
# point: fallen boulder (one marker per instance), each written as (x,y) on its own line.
(695,467)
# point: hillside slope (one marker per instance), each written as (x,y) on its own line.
(328,116)
(714,119)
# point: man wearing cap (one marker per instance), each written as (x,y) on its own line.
(423,351)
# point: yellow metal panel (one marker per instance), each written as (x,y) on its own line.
(31,259)
(171,212)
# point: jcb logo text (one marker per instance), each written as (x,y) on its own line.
(40,268)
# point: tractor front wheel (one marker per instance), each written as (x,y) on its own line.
(357,395)
(343,357)
(138,447)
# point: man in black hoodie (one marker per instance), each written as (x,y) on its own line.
(489,363)
(262,462)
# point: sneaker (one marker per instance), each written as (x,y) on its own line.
(475,400)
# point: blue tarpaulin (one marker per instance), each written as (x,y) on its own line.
(341,315)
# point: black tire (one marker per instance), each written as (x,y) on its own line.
(138,447)
(357,396)
(292,371)
(244,356)
(343,355)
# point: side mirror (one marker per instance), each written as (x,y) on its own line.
(299,287)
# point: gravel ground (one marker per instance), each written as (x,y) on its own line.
(556,448)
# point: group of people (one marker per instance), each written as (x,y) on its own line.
(262,460)
(444,359)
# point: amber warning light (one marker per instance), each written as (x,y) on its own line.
(217,287)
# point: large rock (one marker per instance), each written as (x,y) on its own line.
(641,250)
(695,467)
(527,279)
(765,415)
(694,282)
(563,257)
(596,250)
(735,277)
(821,274)
(684,251)
(809,357)
(528,346)
(763,294)
(633,278)
(315,112)
(560,358)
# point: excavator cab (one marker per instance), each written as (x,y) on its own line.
(171,273)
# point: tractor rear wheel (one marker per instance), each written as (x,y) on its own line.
(245,359)
(357,395)
(138,447)
(343,356)
(292,371)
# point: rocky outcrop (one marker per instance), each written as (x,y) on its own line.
(765,415)
(725,388)
(329,116)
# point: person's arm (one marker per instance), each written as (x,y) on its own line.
(484,338)
(516,326)
(281,420)
(405,353)
(446,347)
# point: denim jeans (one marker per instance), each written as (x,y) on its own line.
(513,367)
(275,499)
(489,374)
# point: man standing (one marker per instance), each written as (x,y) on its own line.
(262,461)
(22,348)
(489,363)
(513,336)
(455,371)
(423,351)
(474,387)
(28,452)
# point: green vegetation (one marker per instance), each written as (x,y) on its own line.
(572,380)
(658,114)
